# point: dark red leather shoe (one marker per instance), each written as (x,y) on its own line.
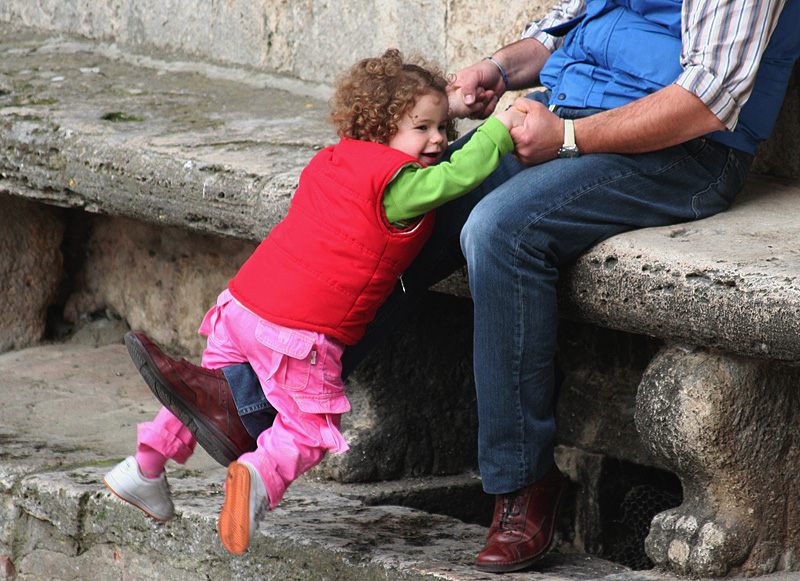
(199,397)
(522,527)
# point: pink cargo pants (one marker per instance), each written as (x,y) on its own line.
(300,373)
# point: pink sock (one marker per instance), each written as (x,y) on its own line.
(151,462)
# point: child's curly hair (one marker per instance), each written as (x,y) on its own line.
(376,92)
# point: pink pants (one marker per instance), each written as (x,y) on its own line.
(300,373)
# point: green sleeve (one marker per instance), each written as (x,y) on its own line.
(416,190)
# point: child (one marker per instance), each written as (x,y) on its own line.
(361,213)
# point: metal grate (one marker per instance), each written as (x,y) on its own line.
(639,495)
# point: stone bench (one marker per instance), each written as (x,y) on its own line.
(192,147)
(718,404)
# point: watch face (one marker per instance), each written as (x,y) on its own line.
(568,152)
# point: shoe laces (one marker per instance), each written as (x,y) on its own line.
(510,507)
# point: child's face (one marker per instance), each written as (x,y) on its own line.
(422,132)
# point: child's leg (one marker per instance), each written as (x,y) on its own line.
(140,480)
(300,374)
(293,445)
(259,479)
(166,436)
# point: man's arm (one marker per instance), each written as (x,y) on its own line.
(669,116)
(476,89)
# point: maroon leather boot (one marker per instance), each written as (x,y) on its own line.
(522,526)
(199,397)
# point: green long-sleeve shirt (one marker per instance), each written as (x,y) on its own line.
(416,190)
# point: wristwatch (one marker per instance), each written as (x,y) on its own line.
(569,149)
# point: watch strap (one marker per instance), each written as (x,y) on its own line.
(570,147)
(569,133)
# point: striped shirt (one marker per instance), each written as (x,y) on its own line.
(722,43)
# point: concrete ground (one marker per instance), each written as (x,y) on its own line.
(68,412)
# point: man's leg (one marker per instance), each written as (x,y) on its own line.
(515,241)
(255,412)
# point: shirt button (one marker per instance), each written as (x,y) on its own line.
(561,96)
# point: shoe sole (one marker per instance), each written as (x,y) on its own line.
(511,567)
(234,520)
(207,435)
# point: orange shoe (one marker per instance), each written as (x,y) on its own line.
(245,501)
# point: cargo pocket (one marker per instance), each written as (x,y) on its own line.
(298,367)
(292,355)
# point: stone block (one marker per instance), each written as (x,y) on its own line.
(160,280)
(30,269)
(727,426)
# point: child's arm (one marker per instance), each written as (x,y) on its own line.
(417,190)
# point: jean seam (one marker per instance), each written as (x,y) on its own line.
(249,409)
(519,333)
(726,170)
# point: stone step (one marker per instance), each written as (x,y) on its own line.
(58,520)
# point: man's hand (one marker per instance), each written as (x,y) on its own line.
(475,91)
(540,136)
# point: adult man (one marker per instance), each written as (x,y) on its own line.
(651,116)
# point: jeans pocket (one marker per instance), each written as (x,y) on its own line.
(708,203)
(722,189)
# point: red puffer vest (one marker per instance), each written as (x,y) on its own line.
(333,260)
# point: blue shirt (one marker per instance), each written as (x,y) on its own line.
(737,60)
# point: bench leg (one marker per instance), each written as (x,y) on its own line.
(728,427)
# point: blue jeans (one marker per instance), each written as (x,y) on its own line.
(514,232)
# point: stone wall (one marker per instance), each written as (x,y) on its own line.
(312,40)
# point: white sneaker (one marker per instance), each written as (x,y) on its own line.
(149,495)
(245,501)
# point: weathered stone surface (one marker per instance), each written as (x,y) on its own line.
(312,40)
(731,281)
(171,144)
(30,269)
(159,280)
(727,426)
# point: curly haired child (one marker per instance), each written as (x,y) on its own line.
(362,211)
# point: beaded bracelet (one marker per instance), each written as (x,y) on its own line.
(500,67)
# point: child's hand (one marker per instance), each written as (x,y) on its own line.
(511,117)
